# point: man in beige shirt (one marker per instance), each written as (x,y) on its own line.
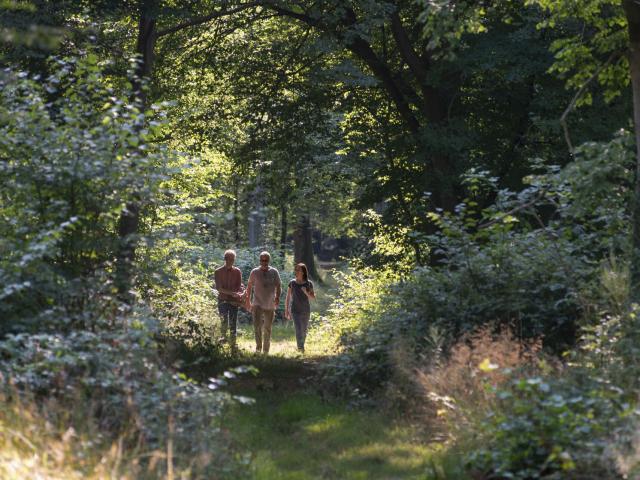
(263,297)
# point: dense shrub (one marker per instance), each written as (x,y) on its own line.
(73,152)
(363,341)
(115,378)
(578,420)
(549,428)
(526,282)
(530,261)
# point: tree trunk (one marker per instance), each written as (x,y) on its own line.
(128,224)
(632,11)
(283,231)
(431,102)
(145,49)
(129,221)
(236,212)
(256,219)
(303,246)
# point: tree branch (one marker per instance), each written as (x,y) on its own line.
(363,50)
(579,93)
(303,17)
(393,86)
(207,18)
(417,66)
(432,104)
(541,194)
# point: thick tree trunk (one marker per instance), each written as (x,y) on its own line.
(128,224)
(129,221)
(632,11)
(145,49)
(303,246)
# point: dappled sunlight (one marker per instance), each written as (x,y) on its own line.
(296,435)
(283,342)
(325,425)
(453,225)
(303,437)
(33,447)
(16,464)
(398,456)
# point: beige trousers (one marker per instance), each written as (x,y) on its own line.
(262,322)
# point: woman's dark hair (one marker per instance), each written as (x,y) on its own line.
(305,273)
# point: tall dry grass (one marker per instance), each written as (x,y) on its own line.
(461,386)
(49,440)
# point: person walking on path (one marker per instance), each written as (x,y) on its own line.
(228,279)
(297,305)
(263,297)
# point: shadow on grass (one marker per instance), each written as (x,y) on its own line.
(302,437)
(283,365)
(292,432)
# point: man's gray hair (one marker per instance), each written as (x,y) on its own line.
(265,254)
(229,252)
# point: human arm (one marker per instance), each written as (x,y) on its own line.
(248,293)
(238,286)
(287,304)
(217,281)
(276,301)
(309,292)
(228,292)
(234,292)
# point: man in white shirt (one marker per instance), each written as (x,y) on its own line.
(263,297)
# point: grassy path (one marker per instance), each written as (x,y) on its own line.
(293,434)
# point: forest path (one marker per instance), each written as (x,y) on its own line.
(291,432)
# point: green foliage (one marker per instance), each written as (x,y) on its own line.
(177,283)
(354,322)
(332,109)
(130,393)
(530,262)
(19,28)
(577,423)
(550,428)
(445,24)
(74,152)
(594,38)
(595,192)
(524,281)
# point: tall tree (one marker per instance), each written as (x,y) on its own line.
(129,221)
(632,12)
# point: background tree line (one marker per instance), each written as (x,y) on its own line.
(372,102)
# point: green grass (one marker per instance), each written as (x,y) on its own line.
(293,434)
(283,334)
(283,343)
(302,437)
